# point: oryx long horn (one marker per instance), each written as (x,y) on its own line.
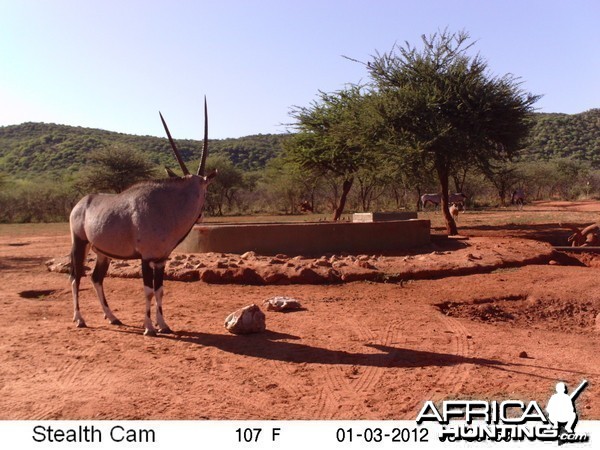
(174,147)
(202,167)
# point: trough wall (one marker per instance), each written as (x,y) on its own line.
(310,238)
(383,216)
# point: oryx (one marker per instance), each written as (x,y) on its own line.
(146,221)
(435,199)
(518,198)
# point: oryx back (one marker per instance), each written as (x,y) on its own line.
(146,221)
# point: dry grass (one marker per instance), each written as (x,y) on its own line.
(540,213)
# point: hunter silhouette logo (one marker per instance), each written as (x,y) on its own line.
(561,408)
(508,420)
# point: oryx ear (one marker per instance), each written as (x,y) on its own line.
(170,173)
(212,174)
(174,147)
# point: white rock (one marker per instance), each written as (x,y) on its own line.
(282,304)
(322,262)
(248,255)
(249,319)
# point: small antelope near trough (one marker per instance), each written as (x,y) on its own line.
(454,209)
(146,221)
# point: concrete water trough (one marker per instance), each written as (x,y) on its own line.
(307,238)
(383,216)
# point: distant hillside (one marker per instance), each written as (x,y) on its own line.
(566,136)
(32,148)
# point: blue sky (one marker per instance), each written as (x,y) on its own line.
(113,64)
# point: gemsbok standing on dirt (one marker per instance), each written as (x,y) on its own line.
(435,199)
(146,221)
(518,198)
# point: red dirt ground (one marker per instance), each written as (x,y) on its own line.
(358,350)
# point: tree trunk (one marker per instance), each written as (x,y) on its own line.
(365,189)
(345,190)
(459,184)
(450,224)
(396,196)
(229,196)
(502,194)
(292,202)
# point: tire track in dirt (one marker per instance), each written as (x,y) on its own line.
(69,378)
(371,373)
(348,381)
(337,390)
(454,375)
(47,411)
(348,386)
(37,410)
(451,375)
(66,381)
(294,383)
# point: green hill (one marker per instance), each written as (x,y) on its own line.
(566,136)
(33,148)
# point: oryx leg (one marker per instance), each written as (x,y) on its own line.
(153,274)
(159,273)
(148,276)
(102,264)
(79,251)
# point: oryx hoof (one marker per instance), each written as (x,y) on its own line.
(116,322)
(148,332)
(165,330)
(81,323)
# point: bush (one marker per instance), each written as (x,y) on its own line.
(44,201)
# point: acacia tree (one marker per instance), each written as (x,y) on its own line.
(225,186)
(115,168)
(504,177)
(333,138)
(443,104)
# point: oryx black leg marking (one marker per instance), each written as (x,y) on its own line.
(78,253)
(159,273)
(153,275)
(102,264)
(148,276)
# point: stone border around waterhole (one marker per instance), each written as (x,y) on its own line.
(443,257)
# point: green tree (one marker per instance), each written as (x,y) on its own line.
(3,181)
(115,168)
(285,184)
(226,184)
(504,177)
(539,177)
(42,200)
(571,177)
(442,103)
(333,138)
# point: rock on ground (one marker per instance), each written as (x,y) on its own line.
(246,320)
